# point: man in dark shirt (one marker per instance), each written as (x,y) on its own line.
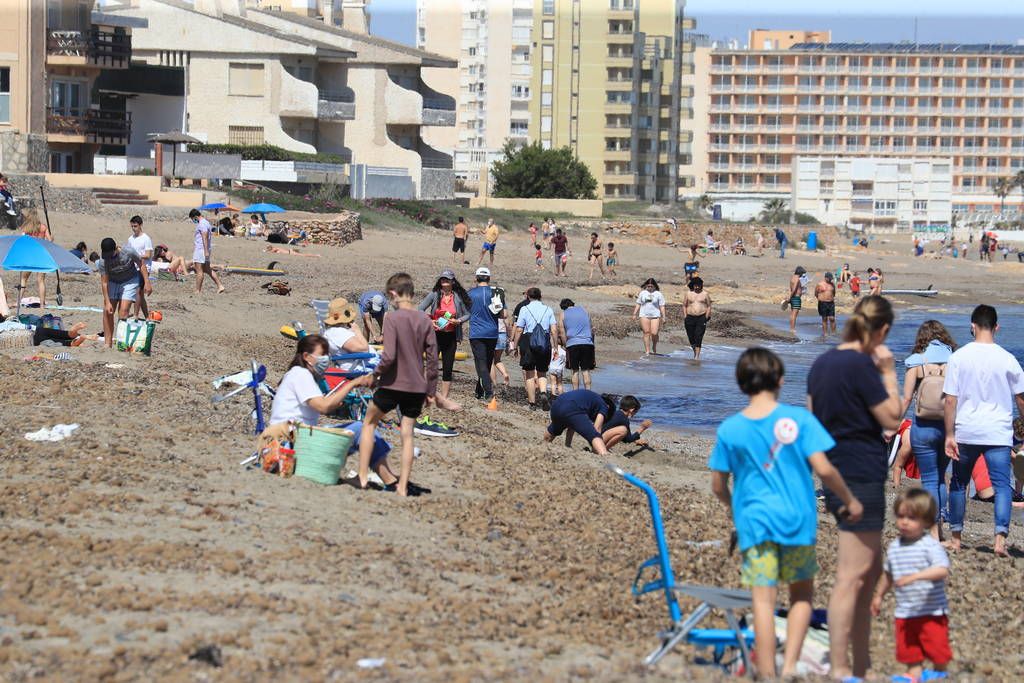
(617,428)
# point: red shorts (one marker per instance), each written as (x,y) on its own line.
(921,638)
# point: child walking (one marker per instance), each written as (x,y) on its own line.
(917,566)
(538,256)
(613,258)
(408,378)
(770,449)
(555,370)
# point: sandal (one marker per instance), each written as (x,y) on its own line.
(411,489)
(354,483)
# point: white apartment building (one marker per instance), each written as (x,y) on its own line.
(874,193)
(491,39)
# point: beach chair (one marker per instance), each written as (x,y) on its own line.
(253,379)
(349,366)
(724,643)
(320,309)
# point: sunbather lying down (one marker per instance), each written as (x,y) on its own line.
(70,337)
(294,252)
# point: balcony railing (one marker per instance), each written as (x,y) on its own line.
(96,125)
(98,47)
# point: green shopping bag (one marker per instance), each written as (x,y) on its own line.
(135,336)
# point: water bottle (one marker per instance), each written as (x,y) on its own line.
(300,331)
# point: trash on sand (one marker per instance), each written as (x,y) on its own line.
(114,366)
(704,544)
(208,654)
(371,663)
(57,432)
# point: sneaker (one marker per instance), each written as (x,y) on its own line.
(427,427)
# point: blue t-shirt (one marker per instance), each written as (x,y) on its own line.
(533,314)
(580,401)
(773,496)
(578,329)
(483,324)
(364,304)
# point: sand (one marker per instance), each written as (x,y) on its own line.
(140,540)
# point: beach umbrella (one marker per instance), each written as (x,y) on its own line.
(173,137)
(26,254)
(218,206)
(263,208)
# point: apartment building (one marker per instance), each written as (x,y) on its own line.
(350,14)
(607,81)
(52,115)
(767,108)
(492,41)
(878,194)
(266,76)
(774,39)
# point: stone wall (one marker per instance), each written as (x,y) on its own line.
(336,230)
(20,153)
(58,199)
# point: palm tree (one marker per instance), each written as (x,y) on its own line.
(1002,188)
(774,210)
(1018,180)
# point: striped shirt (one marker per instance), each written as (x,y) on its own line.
(920,598)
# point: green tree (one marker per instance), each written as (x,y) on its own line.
(774,211)
(706,203)
(533,172)
(1002,188)
(1018,180)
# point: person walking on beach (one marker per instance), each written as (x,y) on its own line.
(577,333)
(795,300)
(373,307)
(119,270)
(483,331)
(825,293)
(983,253)
(534,339)
(770,450)
(697,312)
(490,241)
(595,256)
(142,245)
(875,281)
(780,237)
(650,311)
(448,306)
(923,388)
(459,234)
(983,381)
(560,247)
(853,391)
(201,248)
(33,226)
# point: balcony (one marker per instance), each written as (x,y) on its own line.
(91,126)
(411,101)
(104,49)
(336,106)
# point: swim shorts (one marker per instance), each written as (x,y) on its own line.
(768,564)
(411,404)
(489,246)
(920,638)
(123,291)
(531,360)
(580,357)
(795,303)
(611,262)
(696,326)
(827,309)
(459,244)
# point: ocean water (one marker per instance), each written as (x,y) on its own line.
(678,393)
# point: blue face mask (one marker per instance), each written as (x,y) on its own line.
(321,363)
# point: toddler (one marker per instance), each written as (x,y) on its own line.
(917,566)
(538,256)
(613,258)
(855,285)
(555,369)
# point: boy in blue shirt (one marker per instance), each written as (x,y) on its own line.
(770,450)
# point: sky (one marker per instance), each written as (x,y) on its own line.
(868,20)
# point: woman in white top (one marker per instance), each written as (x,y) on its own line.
(650,311)
(340,335)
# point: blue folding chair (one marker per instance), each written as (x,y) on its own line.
(353,365)
(723,642)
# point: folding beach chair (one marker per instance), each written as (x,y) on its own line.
(724,642)
(320,309)
(253,379)
(350,366)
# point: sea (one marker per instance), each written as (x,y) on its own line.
(683,395)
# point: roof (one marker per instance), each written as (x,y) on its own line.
(427,58)
(914,48)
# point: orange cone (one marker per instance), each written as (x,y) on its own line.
(493,405)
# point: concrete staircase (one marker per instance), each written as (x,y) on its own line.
(110,196)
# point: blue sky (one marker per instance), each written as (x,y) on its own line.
(396,19)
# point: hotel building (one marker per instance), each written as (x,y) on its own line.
(768,108)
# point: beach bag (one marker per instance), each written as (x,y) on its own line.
(930,403)
(320,453)
(51,322)
(278,287)
(134,336)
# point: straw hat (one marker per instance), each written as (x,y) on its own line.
(340,312)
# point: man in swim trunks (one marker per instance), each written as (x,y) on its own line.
(459,234)
(825,293)
(490,241)
(697,309)
(796,290)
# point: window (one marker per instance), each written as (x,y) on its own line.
(5,94)
(885,208)
(545,99)
(520,91)
(518,128)
(245,80)
(546,76)
(545,124)
(920,205)
(548,54)
(66,98)
(245,135)
(549,7)
(547,30)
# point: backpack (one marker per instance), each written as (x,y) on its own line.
(540,342)
(929,396)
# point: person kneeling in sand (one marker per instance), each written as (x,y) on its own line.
(617,428)
(582,412)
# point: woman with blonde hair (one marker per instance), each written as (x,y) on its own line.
(853,391)
(33,226)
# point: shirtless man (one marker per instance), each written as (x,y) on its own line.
(459,234)
(697,309)
(825,293)
(795,300)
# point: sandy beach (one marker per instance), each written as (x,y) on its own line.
(139,539)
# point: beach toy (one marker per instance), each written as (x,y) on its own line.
(246,270)
(289,331)
(320,453)
(156,316)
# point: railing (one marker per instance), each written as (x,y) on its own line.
(438,103)
(97,46)
(91,123)
(337,96)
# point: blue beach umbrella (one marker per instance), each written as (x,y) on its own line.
(22,253)
(263,208)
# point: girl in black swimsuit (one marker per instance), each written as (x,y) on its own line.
(594,255)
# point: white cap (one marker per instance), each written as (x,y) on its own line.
(483,271)
(377,302)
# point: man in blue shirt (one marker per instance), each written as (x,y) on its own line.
(372,307)
(577,333)
(780,237)
(483,331)
(535,348)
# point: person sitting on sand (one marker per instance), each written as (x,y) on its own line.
(293,252)
(165,259)
(617,428)
(80,250)
(255,229)
(711,243)
(582,412)
(72,337)
(737,247)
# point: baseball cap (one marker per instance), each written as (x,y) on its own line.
(108,246)
(448,274)
(483,271)
(377,302)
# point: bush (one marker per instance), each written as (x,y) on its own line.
(324,199)
(533,172)
(266,153)
(421,212)
(805,219)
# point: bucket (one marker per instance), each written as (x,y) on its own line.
(812,241)
(320,453)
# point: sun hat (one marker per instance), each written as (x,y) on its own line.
(340,312)
(377,303)
(483,271)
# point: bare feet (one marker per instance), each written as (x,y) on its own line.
(999,546)
(220,290)
(446,403)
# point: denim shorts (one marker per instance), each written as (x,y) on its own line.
(123,291)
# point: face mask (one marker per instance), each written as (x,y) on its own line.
(321,363)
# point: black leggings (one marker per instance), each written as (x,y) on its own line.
(446,344)
(45,333)
(695,326)
(483,359)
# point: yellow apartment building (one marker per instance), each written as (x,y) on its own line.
(607,81)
